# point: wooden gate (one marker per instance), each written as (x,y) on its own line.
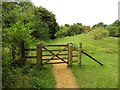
(54,54)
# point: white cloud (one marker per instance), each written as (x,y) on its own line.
(88,12)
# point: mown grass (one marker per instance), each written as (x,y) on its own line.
(90,74)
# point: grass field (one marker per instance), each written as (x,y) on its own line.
(92,75)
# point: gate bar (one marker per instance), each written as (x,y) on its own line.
(92,58)
(55,55)
(55,45)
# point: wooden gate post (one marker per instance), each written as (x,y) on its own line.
(79,53)
(69,54)
(22,52)
(39,55)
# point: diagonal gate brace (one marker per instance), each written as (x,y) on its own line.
(92,58)
(55,55)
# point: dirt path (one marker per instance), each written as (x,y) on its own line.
(64,77)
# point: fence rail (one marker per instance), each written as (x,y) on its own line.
(54,58)
(30,56)
(51,55)
(34,49)
(53,50)
(62,45)
(31,49)
(40,48)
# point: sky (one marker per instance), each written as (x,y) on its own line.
(87,12)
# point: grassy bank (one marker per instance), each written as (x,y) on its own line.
(92,75)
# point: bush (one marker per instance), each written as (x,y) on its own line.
(27,77)
(100,33)
(114,29)
(62,32)
(71,30)
(14,38)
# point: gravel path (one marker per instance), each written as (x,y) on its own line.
(64,77)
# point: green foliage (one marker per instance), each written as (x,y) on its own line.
(8,16)
(20,21)
(62,32)
(114,29)
(71,30)
(44,24)
(17,33)
(99,25)
(75,29)
(41,30)
(48,18)
(17,21)
(17,27)
(28,77)
(100,33)
(14,38)
(13,12)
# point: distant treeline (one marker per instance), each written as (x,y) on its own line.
(78,28)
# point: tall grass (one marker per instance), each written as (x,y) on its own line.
(28,76)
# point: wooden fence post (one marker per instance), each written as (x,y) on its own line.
(70,54)
(22,61)
(39,55)
(79,53)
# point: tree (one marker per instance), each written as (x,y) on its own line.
(63,31)
(71,30)
(15,11)
(114,29)
(99,25)
(8,16)
(74,30)
(78,29)
(49,19)
(16,29)
(41,29)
